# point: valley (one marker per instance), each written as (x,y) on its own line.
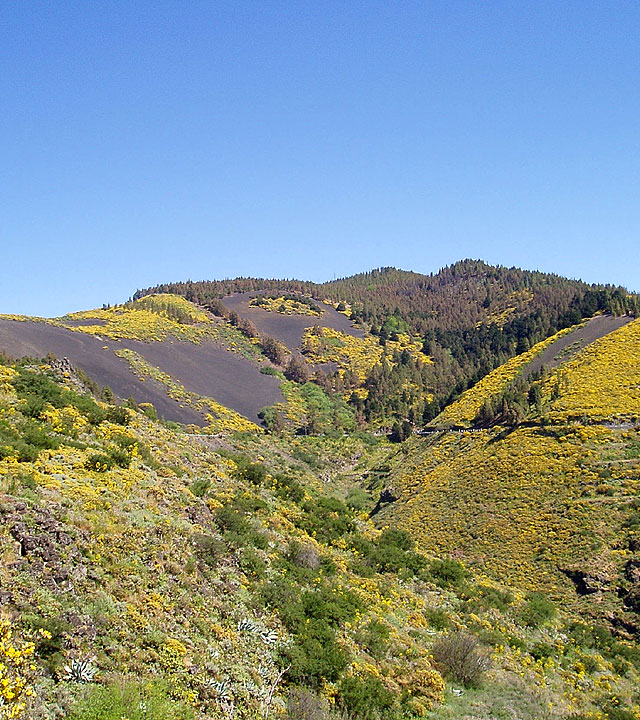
(393,496)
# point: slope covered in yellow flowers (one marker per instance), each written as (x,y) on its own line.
(602,383)
(550,503)
(150,574)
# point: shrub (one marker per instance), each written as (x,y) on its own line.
(149,410)
(537,610)
(328,518)
(459,656)
(366,698)
(375,638)
(200,486)
(447,572)
(129,700)
(252,564)
(253,473)
(210,549)
(496,598)
(316,656)
(358,499)
(437,618)
(302,704)
(268,370)
(304,555)
(99,462)
(287,488)
(395,553)
(117,415)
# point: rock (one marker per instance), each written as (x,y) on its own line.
(587,582)
(632,570)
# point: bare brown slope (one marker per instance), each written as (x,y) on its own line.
(288,328)
(205,369)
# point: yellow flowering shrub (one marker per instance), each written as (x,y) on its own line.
(356,354)
(7,374)
(16,670)
(284,306)
(67,420)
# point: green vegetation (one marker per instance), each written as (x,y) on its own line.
(321,571)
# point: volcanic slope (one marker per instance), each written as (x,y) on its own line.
(545,498)
(165,350)
(288,328)
(471,317)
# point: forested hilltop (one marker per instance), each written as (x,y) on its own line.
(470,318)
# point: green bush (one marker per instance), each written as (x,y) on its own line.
(358,499)
(287,488)
(447,572)
(537,610)
(327,518)
(496,598)
(236,528)
(252,473)
(252,564)
(200,486)
(366,698)
(375,639)
(129,700)
(437,618)
(395,553)
(316,656)
(99,462)
(211,550)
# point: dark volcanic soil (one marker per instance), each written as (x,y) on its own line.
(288,328)
(568,345)
(205,369)
(208,369)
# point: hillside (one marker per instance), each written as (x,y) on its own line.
(152,573)
(470,318)
(545,498)
(267,551)
(193,366)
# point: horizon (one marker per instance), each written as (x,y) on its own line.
(321,282)
(143,143)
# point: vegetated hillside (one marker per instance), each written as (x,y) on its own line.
(151,573)
(470,318)
(543,491)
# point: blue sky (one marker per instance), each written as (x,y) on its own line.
(145,142)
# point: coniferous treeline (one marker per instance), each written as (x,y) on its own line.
(471,316)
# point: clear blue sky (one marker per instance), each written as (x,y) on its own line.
(144,142)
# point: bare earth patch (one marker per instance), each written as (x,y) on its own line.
(205,369)
(288,328)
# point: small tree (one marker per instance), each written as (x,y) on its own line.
(297,370)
